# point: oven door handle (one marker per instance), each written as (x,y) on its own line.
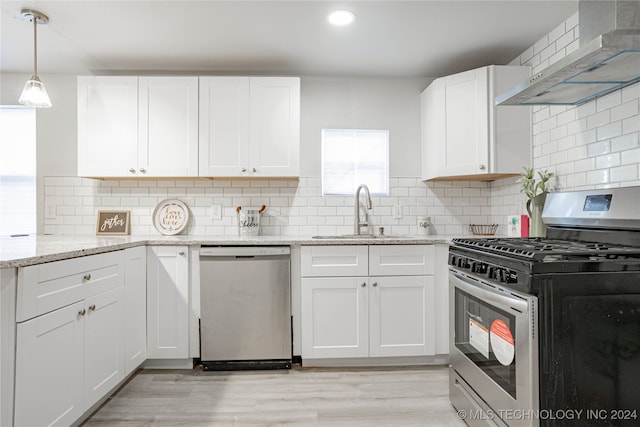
(499,297)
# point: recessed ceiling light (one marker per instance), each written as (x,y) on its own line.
(341,17)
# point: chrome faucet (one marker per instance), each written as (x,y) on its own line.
(357,223)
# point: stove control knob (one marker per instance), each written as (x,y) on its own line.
(480,268)
(453,260)
(498,274)
(511,277)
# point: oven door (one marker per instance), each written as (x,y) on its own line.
(493,352)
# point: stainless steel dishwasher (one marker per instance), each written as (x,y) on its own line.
(245,307)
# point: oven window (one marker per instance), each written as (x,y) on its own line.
(486,335)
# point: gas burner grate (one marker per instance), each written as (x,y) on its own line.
(548,249)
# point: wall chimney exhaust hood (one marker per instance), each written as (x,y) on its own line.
(608,59)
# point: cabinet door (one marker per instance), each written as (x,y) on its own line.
(274,132)
(433,137)
(402,316)
(104,345)
(466,123)
(107,126)
(224,126)
(49,358)
(135,308)
(167,302)
(334,317)
(168,126)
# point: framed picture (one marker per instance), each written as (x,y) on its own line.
(113,222)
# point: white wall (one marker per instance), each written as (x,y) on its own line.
(392,104)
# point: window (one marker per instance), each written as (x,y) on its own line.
(353,157)
(17,170)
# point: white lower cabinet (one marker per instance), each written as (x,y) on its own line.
(135,308)
(69,359)
(167,302)
(69,338)
(352,315)
(401,316)
(335,319)
(103,344)
(49,368)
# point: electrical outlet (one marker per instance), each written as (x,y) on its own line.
(397,212)
(50,211)
(216,211)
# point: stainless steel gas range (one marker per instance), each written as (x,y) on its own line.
(546,331)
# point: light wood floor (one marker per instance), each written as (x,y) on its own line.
(408,396)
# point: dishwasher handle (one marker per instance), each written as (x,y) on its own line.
(243,251)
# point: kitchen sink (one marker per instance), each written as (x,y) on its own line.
(361,236)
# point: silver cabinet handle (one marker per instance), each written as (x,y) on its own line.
(482,167)
(181,253)
(254,170)
(244,170)
(92,307)
(132,170)
(143,170)
(82,312)
(86,277)
(363,284)
(375,284)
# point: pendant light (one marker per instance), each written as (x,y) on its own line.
(34,93)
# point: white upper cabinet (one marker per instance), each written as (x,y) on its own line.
(465,136)
(224,125)
(137,126)
(250,126)
(168,126)
(107,126)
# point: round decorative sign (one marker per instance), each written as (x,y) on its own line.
(170,217)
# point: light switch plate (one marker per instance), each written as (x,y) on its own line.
(50,211)
(216,211)
(397,212)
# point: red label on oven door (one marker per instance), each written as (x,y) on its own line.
(502,342)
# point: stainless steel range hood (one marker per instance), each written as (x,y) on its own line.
(608,59)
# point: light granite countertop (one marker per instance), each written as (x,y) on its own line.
(38,249)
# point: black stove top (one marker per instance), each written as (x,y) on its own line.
(541,249)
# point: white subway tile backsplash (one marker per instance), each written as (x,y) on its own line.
(607,161)
(608,101)
(609,131)
(598,148)
(300,211)
(632,124)
(625,142)
(598,119)
(624,173)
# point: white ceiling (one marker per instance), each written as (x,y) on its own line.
(389,38)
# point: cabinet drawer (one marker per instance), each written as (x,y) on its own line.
(45,287)
(323,261)
(401,260)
